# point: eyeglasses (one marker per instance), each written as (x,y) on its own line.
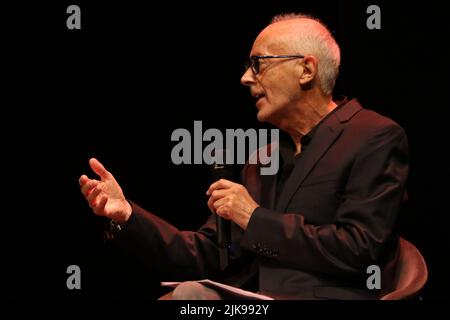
(253,61)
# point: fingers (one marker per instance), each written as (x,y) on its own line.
(220,207)
(93,195)
(97,200)
(93,189)
(220,202)
(210,204)
(220,184)
(83,179)
(99,169)
(217,194)
(88,186)
(99,206)
(223,208)
(223,211)
(218,198)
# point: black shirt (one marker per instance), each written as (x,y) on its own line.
(288,159)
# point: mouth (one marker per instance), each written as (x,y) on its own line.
(258,96)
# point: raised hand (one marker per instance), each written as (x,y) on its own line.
(105,196)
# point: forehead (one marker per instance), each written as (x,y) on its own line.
(269,45)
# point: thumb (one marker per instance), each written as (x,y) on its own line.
(99,169)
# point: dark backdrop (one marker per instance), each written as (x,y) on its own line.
(118,88)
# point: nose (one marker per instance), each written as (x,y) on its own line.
(248,78)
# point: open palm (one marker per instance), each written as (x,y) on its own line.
(105,197)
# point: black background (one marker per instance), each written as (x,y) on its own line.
(117,88)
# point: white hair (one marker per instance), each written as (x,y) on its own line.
(317,40)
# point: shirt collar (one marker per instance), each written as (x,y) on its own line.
(287,146)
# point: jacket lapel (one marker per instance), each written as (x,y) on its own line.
(261,187)
(327,133)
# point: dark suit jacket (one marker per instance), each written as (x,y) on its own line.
(335,217)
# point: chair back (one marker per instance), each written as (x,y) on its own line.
(410,274)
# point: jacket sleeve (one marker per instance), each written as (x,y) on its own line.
(364,221)
(181,255)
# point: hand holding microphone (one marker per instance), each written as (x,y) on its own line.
(230,201)
(223,226)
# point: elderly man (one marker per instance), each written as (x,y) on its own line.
(310,231)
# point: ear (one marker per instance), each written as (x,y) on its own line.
(309,65)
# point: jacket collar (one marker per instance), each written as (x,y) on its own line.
(326,135)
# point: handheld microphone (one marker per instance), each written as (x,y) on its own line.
(223,226)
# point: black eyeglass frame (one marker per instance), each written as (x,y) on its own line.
(253,61)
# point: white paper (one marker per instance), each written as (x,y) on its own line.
(239,293)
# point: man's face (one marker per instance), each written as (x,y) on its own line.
(276,86)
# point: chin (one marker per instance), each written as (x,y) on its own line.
(261,116)
(265,113)
(268,117)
